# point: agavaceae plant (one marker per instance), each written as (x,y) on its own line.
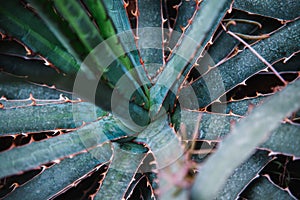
(54,145)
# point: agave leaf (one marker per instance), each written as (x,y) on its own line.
(90,36)
(74,13)
(240,107)
(20,11)
(126,160)
(71,169)
(105,25)
(186,10)
(262,188)
(285,139)
(13,161)
(141,188)
(244,174)
(9,47)
(35,71)
(149,33)
(254,132)
(117,13)
(17,88)
(223,45)
(144,181)
(212,126)
(208,18)
(14,23)
(246,64)
(18,103)
(85,187)
(287,10)
(168,153)
(59,28)
(46,117)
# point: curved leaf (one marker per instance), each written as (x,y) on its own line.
(248,134)
(206,19)
(16,24)
(244,174)
(126,160)
(283,43)
(262,188)
(51,182)
(286,10)
(18,159)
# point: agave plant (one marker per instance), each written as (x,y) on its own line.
(149,99)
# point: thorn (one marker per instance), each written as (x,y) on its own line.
(177,6)
(28,51)
(243,83)
(250,108)
(190,21)
(67,100)
(3,98)
(141,61)
(183,28)
(32,99)
(125,4)
(135,13)
(257,55)
(2,36)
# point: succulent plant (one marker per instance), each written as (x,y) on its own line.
(140,99)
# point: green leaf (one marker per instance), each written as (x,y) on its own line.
(239,107)
(17,88)
(222,46)
(18,159)
(126,160)
(285,139)
(107,29)
(79,21)
(168,153)
(35,71)
(16,24)
(21,12)
(212,126)
(184,11)
(262,188)
(46,117)
(59,28)
(9,47)
(286,10)
(117,13)
(204,21)
(248,133)
(281,44)
(50,181)
(149,44)
(243,175)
